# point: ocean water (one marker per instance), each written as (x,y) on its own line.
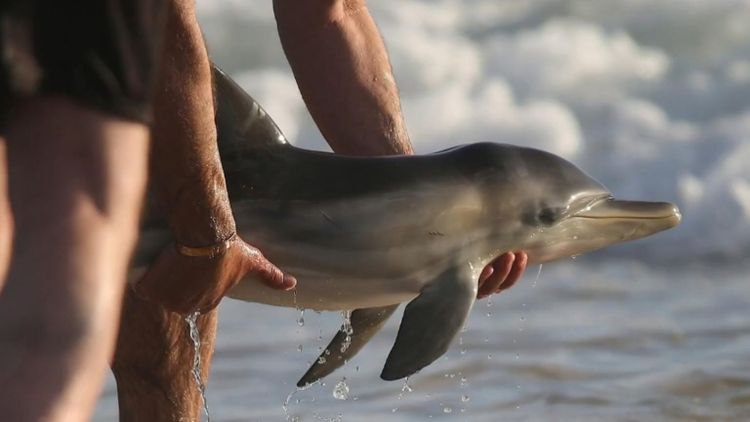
(652,99)
(590,340)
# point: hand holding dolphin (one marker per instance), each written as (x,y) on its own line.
(185,279)
(366,234)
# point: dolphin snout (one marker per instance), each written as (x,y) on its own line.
(668,213)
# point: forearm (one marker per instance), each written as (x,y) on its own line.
(344,75)
(186,168)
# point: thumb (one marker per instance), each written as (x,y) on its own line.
(272,276)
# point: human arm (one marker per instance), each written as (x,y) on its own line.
(343,72)
(189,182)
(342,68)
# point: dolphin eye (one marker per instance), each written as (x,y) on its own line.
(549,216)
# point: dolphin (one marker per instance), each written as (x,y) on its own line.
(366,234)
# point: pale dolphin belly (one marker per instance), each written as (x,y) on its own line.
(360,253)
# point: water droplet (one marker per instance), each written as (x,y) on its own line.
(406,388)
(463,350)
(447,409)
(299,348)
(301,318)
(465,398)
(518,356)
(489,356)
(489,314)
(394,410)
(341,390)
(464,382)
(321,360)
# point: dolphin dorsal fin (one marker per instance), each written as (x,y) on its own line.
(241,122)
(430,322)
(365,323)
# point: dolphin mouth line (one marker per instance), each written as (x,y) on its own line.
(614,209)
(623,217)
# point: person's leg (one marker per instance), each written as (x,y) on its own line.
(154,360)
(6,220)
(75,92)
(76,177)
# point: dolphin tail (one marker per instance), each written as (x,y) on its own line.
(430,323)
(240,121)
(365,323)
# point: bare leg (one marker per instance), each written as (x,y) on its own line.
(6,220)
(76,179)
(153,363)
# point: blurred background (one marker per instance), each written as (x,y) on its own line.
(652,99)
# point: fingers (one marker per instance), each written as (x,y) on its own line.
(517,270)
(496,273)
(502,273)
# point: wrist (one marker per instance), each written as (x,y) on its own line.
(200,214)
(211,251)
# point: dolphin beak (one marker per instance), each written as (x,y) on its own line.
(613,209)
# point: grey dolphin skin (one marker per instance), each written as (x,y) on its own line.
(366,234)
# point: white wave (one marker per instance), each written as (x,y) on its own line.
(652,98)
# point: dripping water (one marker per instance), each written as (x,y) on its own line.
(197,367)
(347,329)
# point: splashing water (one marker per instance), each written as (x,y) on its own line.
(341,390)
(404,389)
(285,405)
(347,329)
(197,369)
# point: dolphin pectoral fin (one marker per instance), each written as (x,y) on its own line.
(364,324)
(430,323)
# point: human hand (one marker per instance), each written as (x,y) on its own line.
(502,273)
(185,284)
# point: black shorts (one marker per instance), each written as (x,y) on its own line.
(100,53)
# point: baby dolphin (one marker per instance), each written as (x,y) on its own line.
(366,234)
